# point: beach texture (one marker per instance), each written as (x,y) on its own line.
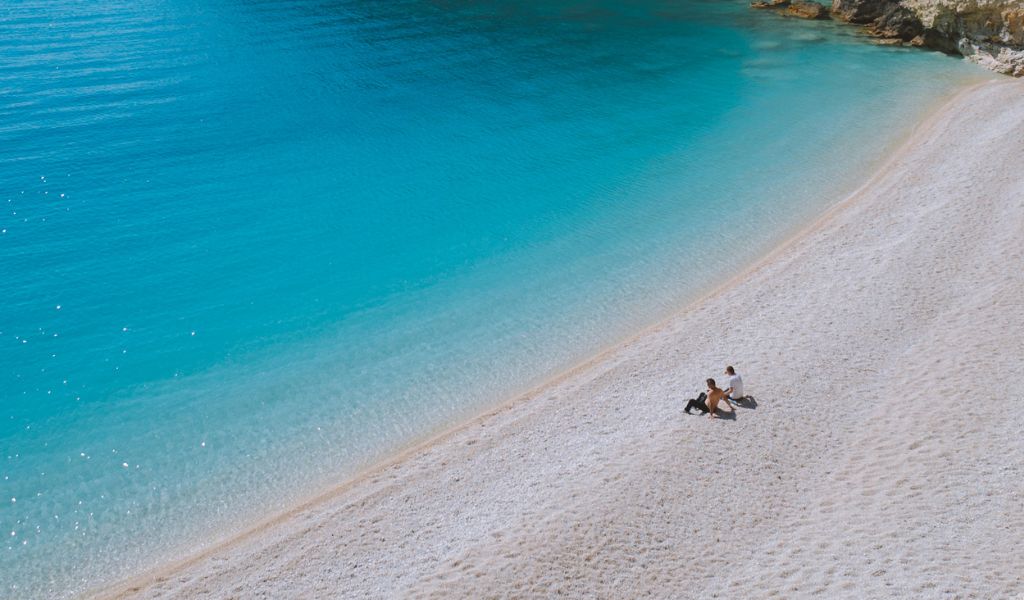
(883,458)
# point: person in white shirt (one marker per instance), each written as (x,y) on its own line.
(734,391)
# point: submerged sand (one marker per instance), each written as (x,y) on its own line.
(884,456)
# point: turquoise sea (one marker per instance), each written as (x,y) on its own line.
(248,247)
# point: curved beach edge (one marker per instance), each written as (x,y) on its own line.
(860,338)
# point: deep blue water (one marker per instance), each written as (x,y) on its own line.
(248,247)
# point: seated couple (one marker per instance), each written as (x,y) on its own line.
(708,401)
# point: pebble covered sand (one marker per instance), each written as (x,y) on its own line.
(883,457)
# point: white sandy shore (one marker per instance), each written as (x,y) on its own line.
(884,458)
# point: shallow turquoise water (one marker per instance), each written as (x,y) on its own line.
(249,246)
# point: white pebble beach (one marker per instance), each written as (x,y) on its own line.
(884,458)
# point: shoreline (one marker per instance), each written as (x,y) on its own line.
(438,435)
(595,367)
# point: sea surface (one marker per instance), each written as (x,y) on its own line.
(247,248)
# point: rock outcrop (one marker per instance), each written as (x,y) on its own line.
(859,11)
(988,32)
(804,9)
(899,23)
(807,10)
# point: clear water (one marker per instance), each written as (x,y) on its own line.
(248,247)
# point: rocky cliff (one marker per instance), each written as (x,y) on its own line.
(989,32)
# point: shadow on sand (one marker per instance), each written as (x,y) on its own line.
(746,402)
